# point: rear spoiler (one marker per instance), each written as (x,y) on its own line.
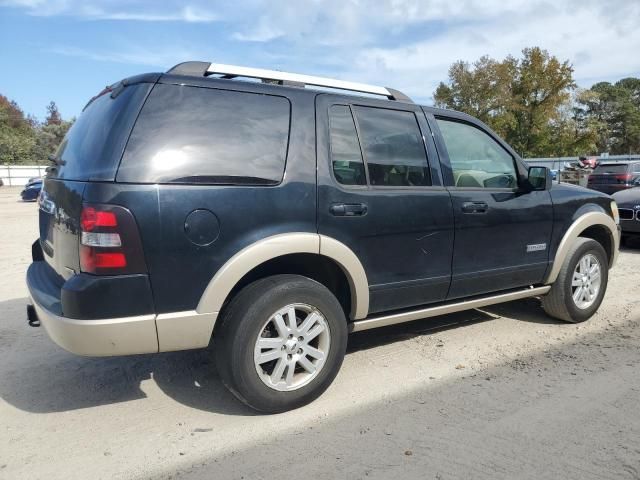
(116,88)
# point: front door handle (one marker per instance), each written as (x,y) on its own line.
(348,209)
(475,207)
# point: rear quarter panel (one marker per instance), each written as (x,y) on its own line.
(181,270)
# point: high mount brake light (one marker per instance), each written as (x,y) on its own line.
(109,241)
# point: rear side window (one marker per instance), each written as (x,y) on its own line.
(93,146)
(393,147)
(612,168)
(200,135)
(346,157)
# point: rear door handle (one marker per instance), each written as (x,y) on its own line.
(348,209)
(475,207)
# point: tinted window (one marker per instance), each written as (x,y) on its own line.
(200,135)
(477,160)
(93,146)
(346,157)
(612,168)
(393,147)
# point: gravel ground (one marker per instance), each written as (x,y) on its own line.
(500,393)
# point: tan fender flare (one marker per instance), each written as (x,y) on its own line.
(353,270)
(583,222)
(269,248)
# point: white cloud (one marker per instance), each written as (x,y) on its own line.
(406,44)
(162,58)
(116,10)
(262,32)
(599,43)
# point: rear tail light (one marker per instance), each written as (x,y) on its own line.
(624,178)
(109,242)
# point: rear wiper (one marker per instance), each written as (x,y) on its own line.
(56,160)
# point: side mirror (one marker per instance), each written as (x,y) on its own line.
(540,178)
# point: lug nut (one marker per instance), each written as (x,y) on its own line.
(299,351)
(300,339)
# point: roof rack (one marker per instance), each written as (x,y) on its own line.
(284,78)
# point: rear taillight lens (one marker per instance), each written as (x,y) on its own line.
(624,178)
(109,241)
(91,218)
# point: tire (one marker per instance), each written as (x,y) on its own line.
(252,314)
(559,302)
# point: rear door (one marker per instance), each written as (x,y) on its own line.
(380,193)
(502,232)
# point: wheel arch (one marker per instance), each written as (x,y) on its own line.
(594,224)
(285,249)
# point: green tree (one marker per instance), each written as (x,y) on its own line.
(541,86)
(53,115)
(17,136)
(23,140)
(617,108)
(525,100)
(480,90)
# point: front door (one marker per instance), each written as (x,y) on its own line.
(502,232)
(380,193)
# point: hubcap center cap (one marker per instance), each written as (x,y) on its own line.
(291,345)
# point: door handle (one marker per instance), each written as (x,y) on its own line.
(475,207)
(348,209)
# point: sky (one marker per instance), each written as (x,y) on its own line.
(68,50)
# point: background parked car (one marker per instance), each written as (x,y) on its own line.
(614,177)
(31,190)
(629,207)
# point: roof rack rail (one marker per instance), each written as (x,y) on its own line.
(232,71)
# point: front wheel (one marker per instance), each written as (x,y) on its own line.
(581,284)
(281,343)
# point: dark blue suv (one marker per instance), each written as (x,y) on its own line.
(272,219)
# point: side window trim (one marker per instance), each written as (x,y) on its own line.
(364,155)
(442,144)
(366,186)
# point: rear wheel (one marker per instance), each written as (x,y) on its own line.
(281,343)
(581,284)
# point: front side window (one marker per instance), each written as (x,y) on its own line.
(393,147)
(477,160)
(346,158)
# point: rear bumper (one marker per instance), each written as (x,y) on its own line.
(114,336)
(121,335)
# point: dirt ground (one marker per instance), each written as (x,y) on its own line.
(501,393)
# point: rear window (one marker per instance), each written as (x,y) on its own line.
(199,135)
(612,168)
(93,146)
